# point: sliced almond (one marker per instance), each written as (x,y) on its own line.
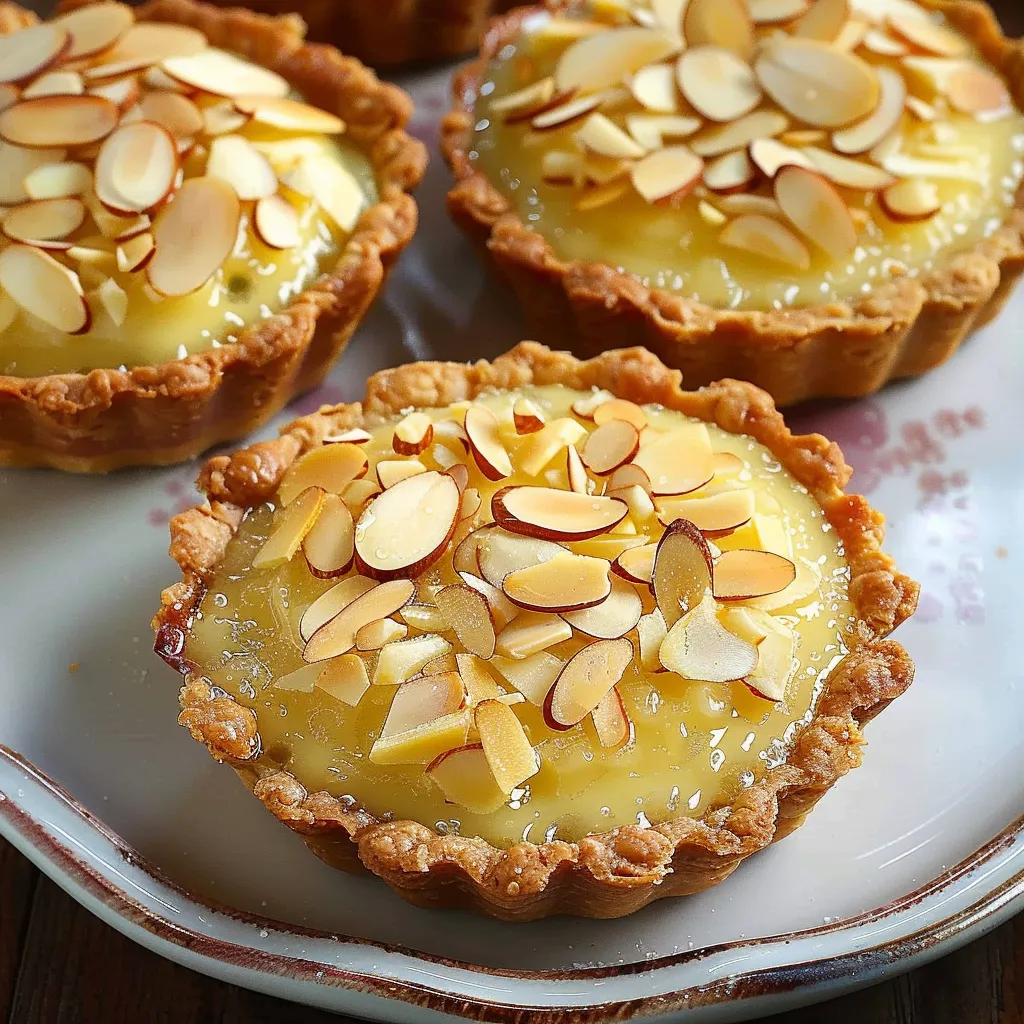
(765,237)
(717,83)
(575,471)
(817,83)
(586,407)
(290,526)
(331,602)
(651,130)
(636,564)
(8,95)
(419,701)
(222,74)
(902,165)
(289,115)
(847,173)
(44,221)
(651,631)
(464,777)
(413,434)
(136,168)
(678,461)
(583,682)
(32,50)
(56,83)
(978,91)
(338,635)
(425,743)
(135,253)
(921,31)
(460,474)
(425,617)
(866,134)
(669,172)
(51,121)
(533,677)
(602,136)
(933,74)
(613,617)
(403,659)
(95,28)
(761,124)
(329,544)
(851,34)
(620,409)
(344,679)
(177,113)
(359,492)
(682,570)
(551,514)
(502,610)
(301,680)
(16,164)
(526,416)
(568,582)
(222,119)
(817,210)
(823,20)
(157,41)
(921,110)
(602,195)
(654,88)
(776,664)
(114,300)
(743,574)
(482,430)
(523,103)
(58,181)
(607,58)
(108,71)
(44,287)
(719,23)
(769,156)
(727,464)
(375,635)
(613,443)
(804,137)
(776,12)
(499,553)
(565,112)
(276,222)
(509,754)
(468,615)
(910,200)
(529,633)
(441,665)
(541,447)
(234,159)
(698,646)
(194,235)
(879,42)
(730,172)
(611,722)
(716,513)
(560,168)
(711,215)
(332,467)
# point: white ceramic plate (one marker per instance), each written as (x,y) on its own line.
(912,854)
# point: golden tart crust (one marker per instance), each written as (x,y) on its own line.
(604,875)
(166,413)
(840,349)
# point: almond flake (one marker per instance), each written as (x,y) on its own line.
(157,41)
(533,677)
(669,172)
(525,102)
(717,513)
(682,570)
(560,168)
(51,121)
(636,564)
(613,617)
(717,83)
(289,115)
(606,59)
(58,181)
(344,679)
(866,134)
(817,210)
(926,34)
(27,53)
(276,222)
(134,253)
(290,526)
(609,446)
(234,159)
(221,74)
(485,443)
(136,168)
(850,35)
(44,221)
(763,236)
(177,113)
(94,28)
(412,434)
(730,172)
(575,471)
(329,544)
(56,83)
(552,514)
(44,287)
(847,173)
(464,777)
(567,582)
(375,635)
(824,20)
(651,130)
(565,112)
(403,659)
(602,136)
(719,23)
(529,633)
(511,758)
(902,165)
(698,646)
(654,88)
(498,553)
(526,416)
(678,461)
(332,186)
(921,110)
(776,12)
(879,42)
(114,300)
(332,467)
(222,119)
(978,91)
(761,124)
(910,200)
(742,574)
(338,634)
(586,678)
(770,156)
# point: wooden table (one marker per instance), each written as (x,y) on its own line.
(58,963)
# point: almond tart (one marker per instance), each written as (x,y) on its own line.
(198,207)
(536,636)
(817,196)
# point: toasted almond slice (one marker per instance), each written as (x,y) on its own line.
(331,602)
(769,156)
(44,221)
(776,12)
(511,758)
(58,181)
(114,300)
(290,527)
(460,474)
(910,200)
(499,553)
(682,570)
(44,287)
(194,235)
(413,434)
(425,617)
(613,617)
(177,113)
(525,102)
(526,416)
(482,430)
(636,564)
(716,513)
(375,635)
(586,407)
(530,633)
(94,28)
(234,159)
(739,203)
(51,121)
(866,134)
(607,58)
(730,172)
(926,34)
(879,41)
(31,51)
(651,130)
(563,113)
(602,136)
(332,467)
(276,222)
(222,74)
(157,41)
(424,744)
(503,611)
(15,166)
(742,574)
(136,168)
(533,677)
(344,679)
(585,680)
(698,646)
(611,721)
(978,91)
(464,777)
(403,531)
(568,582)
(620,409)
(823,20)
(338,635)
(403,659)
(817,83)
(613,443)
(468,614)
(110,70)
(817,210)
(289,115)
(419,701)
(551,514)
(329,544)
(135,253)
(678,461)
(560,168)
(55,83)
(763,236)
(717,83)
(776,665)
(669,172)
(654,88)
(761,124)
(719,23)
(222,119)
(847,173)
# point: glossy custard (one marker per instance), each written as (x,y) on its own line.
(670,245)
(692,744)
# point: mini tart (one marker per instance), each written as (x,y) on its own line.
(546,150)
(584,673)
(225,381)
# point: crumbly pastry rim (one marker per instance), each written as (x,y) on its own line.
(604,875)
(836,349)
(168,412)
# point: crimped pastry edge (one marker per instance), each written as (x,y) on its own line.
(165,413)
(840,349)
(605,875)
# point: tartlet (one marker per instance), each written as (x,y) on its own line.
(817,197)
(191,237)
(506,717)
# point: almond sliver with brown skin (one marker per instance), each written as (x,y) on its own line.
(609,446)
(698,646)
(526,416)
(413,434)
(552,514)
(926,34)
(52,121)
(576,472)
(485,443)
(614,617)
(177,113)
(222,74)
(28,52)
(44,221)
(654,88)
(331,602)
(464,776)
(682,570)
(717,83)
(525,101)
(762,236)
(567,582)
(94,28)
(157,41)
(910,200)
(607,58)
(58,180)
(136,167)
(719,23)
(724,138)
(817,210)
(978,91)
(610,720)
(620,409)
(585,680)
(671,171)
(289,115)
(329,544)
(44,287)
(499,552)
(745,573)
(276,222)
(679,461)
(866,134)
(847,173)
(419,701)
(769,156)
(289,528)
(509,754)
(530,633)
(332,467)
(344,679)
(377,634)
(338,635)
(234,159)
(730,172)
(55,83)
(469,616)
(636,564)
(713,514)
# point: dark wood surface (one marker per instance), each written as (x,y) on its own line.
(61,965)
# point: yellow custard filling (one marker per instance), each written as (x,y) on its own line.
(691,744)
(563,183)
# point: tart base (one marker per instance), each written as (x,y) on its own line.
(841,349)
(155,415)
(605,875)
